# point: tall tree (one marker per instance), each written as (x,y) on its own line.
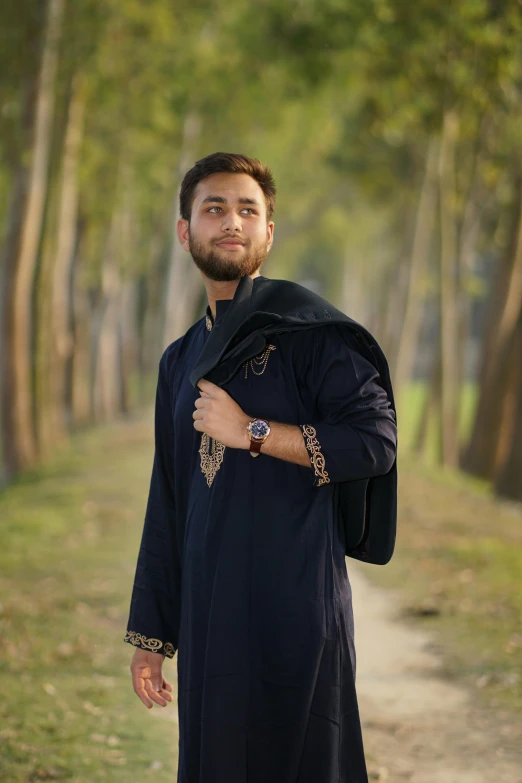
(21,255)
(481,457)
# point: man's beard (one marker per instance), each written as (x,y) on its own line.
(216,266)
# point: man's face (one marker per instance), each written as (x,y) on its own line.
(228,235)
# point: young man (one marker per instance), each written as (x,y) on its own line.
(242,565)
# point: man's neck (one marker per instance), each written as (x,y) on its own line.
(221,290)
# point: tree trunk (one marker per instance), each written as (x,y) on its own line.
(18,428)
(450,391)
(79,369)
(468,237)
(482,453)
(509,454)
(353,300)
(106,379)
(389,323)
(128,344)
(62,292)
(185,310)
(431,405)
(180,277)
(11,458)
(152,327)
(411,324)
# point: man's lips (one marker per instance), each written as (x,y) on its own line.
(235,242)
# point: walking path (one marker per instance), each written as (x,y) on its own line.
(417,727)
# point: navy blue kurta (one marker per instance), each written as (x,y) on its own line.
(242,564)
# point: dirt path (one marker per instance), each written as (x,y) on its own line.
(418,727)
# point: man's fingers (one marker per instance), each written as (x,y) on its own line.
(154,695)
(210,388)
(144,698)
(144,689)
(147,679)
(139,689)
(167,686)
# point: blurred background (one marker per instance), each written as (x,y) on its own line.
(394,131)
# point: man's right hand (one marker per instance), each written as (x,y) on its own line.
(148,680)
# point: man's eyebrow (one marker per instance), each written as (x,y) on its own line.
(219,199)
(222,200)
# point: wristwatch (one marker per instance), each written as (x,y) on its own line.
(259,430)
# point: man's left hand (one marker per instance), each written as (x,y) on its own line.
(220,417)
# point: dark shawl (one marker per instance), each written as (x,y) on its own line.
(262,307)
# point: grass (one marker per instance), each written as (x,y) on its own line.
(69,539)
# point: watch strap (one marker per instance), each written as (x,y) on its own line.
(255,445)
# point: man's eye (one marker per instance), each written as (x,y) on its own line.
(212,208)
(248,209)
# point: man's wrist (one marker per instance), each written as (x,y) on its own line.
(246,432)
(258,431)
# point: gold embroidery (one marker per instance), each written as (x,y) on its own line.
(208,323)
(316,457)
(211,456)
(155,645)
(260,361)
(169,650)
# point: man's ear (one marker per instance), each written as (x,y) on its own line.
(270,233)
(182,228)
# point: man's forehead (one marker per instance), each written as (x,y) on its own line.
(231,187)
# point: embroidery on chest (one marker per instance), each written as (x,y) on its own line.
(258,363)
(211,454)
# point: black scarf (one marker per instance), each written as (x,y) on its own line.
(367,508)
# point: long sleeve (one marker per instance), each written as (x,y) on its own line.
(155,604)
(353,434)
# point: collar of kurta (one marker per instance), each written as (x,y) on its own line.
(222,306)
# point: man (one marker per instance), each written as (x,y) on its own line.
(242,565)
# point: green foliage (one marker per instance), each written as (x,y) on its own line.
(340,98)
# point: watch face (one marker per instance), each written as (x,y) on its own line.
(259,428)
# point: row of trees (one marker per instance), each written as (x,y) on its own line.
(394,134)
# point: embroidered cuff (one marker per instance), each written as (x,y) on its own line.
(153,645)
(316,456)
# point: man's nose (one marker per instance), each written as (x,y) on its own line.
(232,222)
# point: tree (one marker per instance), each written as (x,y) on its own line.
(20,259)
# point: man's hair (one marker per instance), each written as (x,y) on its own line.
(226,162)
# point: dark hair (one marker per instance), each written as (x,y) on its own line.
(227,162)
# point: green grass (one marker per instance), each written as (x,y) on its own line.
(68,545)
